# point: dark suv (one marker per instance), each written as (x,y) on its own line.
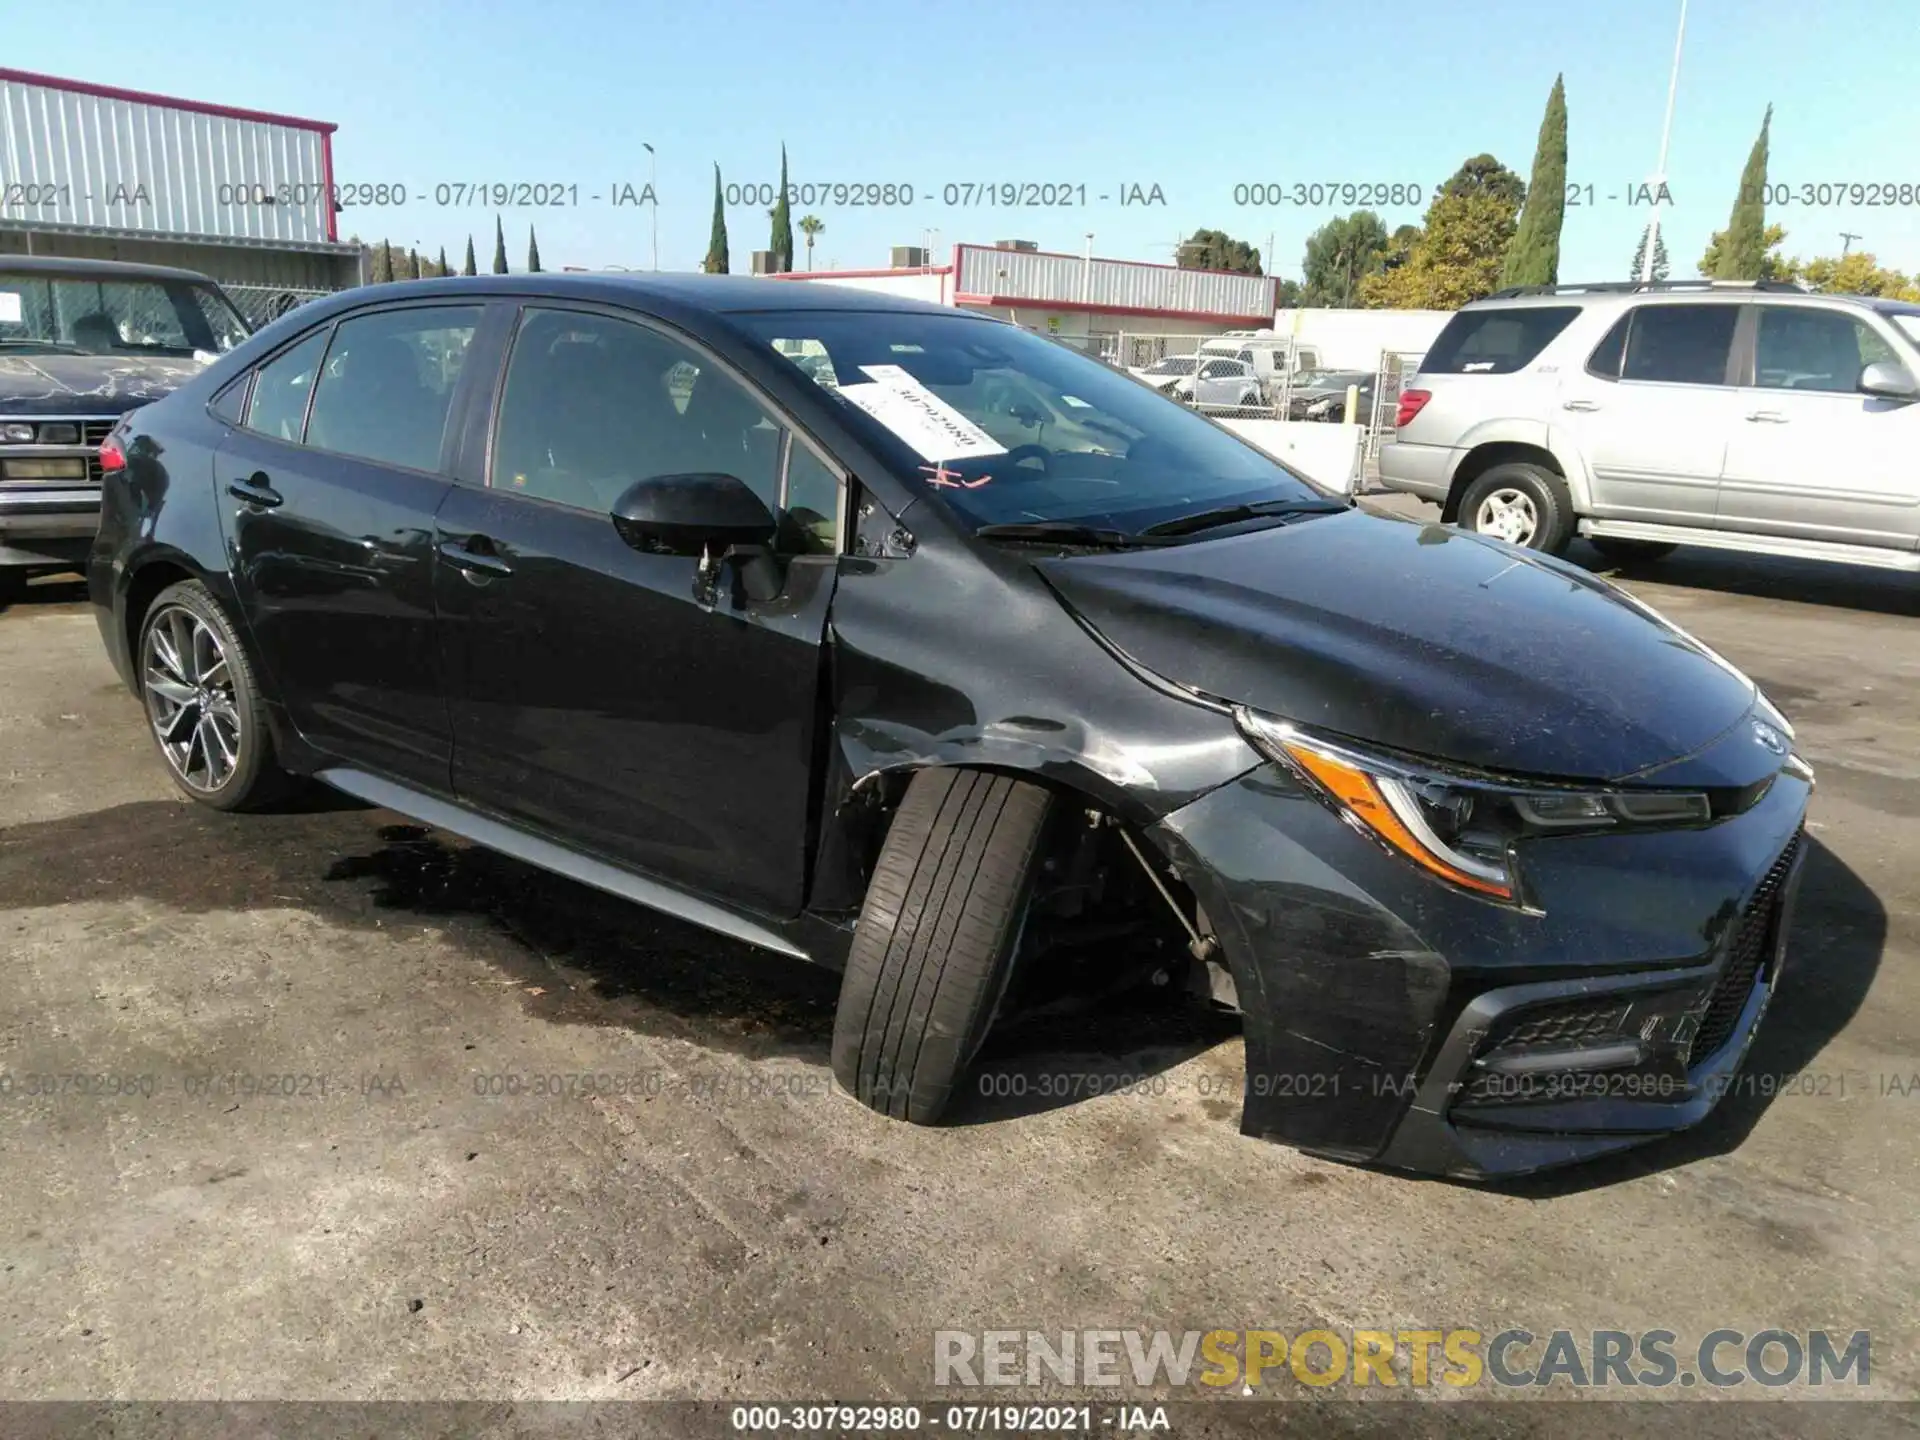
(81,343)
(778,608)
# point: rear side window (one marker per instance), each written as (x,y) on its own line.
(280,391)
(1679,344)
(387,385)
(1496,342)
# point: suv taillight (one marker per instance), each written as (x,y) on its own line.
(1411,403)
(111,456)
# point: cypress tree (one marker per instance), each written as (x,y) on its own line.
(1534,256)
(382,263)
(533,252)
(716,261)
(499,248)
(470,268)
(413,264)
(440,265)
(1744,254)
(1660,267)
(781,243)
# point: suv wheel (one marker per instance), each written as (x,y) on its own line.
(935,945)
(1522,504)
(203,704)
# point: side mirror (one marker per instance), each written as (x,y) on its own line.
(692,515)
(1889,380)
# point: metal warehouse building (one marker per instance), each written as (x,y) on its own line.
(241,195)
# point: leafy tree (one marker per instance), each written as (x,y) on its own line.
(1857,272)
(1340,254)
(440,265)
(499,248)
(1399,246)
(533,252)
(1459,252)
(1772,265)
(469,268)
(811,226)
(1534,258)
(1743,254)
(1660,267)
(781,242)
(382,263)
(1217,250)
(716,261)
(1288,295)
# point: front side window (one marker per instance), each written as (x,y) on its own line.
(1679,344)
(387,386)
(1495,342)
(1799,348)
(1005,427)
(593,404)
(283,386)
(77,315)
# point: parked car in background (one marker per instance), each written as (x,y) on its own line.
(1203,380)
(1495,864)
(1758,417)
(1322,395)
(81,343)
(1272,358)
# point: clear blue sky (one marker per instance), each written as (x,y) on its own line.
(1192,98)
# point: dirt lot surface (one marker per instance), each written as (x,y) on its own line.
(299,1147)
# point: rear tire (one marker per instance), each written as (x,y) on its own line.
(204,706)
(1522,504)
(1632,552)
(937,938)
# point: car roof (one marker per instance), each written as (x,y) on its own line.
(713,294)
(1724,293)
(95,269)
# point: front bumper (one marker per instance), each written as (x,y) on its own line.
(43,523)
(1392,1020)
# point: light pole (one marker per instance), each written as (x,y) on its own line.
(653,184)
(1666,132)
(1086,273)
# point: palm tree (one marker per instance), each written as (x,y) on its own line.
(810,226)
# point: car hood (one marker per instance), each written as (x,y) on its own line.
(1415,637)
(87,384)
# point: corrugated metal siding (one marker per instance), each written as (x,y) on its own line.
(1111,284)
(196,170)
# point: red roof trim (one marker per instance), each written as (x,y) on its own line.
(1016,302)
(858,274)
(1103,260)
(142,97)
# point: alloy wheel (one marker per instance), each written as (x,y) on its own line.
(1508,514)
(190,700)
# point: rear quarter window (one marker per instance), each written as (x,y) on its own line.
(1496,342)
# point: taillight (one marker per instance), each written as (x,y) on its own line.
(1411,403)
(111,456)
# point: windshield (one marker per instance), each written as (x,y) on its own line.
(1007,427)
(76,315)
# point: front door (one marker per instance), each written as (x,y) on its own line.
(1811,456)
(593,696)
(1651,410)
(329,492)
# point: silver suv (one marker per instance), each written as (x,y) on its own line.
(1758,417)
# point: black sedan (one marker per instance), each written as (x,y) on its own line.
(1322,395)
(777,607)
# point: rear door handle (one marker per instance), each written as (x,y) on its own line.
(1580,405)
(474,557)
(256,489)
(1769,417)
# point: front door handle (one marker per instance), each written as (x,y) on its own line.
(256,489)
(1580,405)
(1768,417)
(474,557)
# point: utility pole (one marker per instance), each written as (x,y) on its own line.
(653,183)
(1666,133)
(1847,238)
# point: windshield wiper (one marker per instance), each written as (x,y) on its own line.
(1067,532)
(1233,514)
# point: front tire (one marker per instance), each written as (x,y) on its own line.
(935,946)
(203,703)
(1521,503)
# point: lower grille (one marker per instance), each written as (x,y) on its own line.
(1580,1023)
(1747,953)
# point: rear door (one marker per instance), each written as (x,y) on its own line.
(1811,456)
(592,695)
(329,491)
(1652,410)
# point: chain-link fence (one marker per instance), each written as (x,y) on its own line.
(264,303)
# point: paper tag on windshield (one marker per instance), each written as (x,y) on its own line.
(932,427)
(9,307)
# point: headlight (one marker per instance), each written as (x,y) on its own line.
(14,434)
(1459,828)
